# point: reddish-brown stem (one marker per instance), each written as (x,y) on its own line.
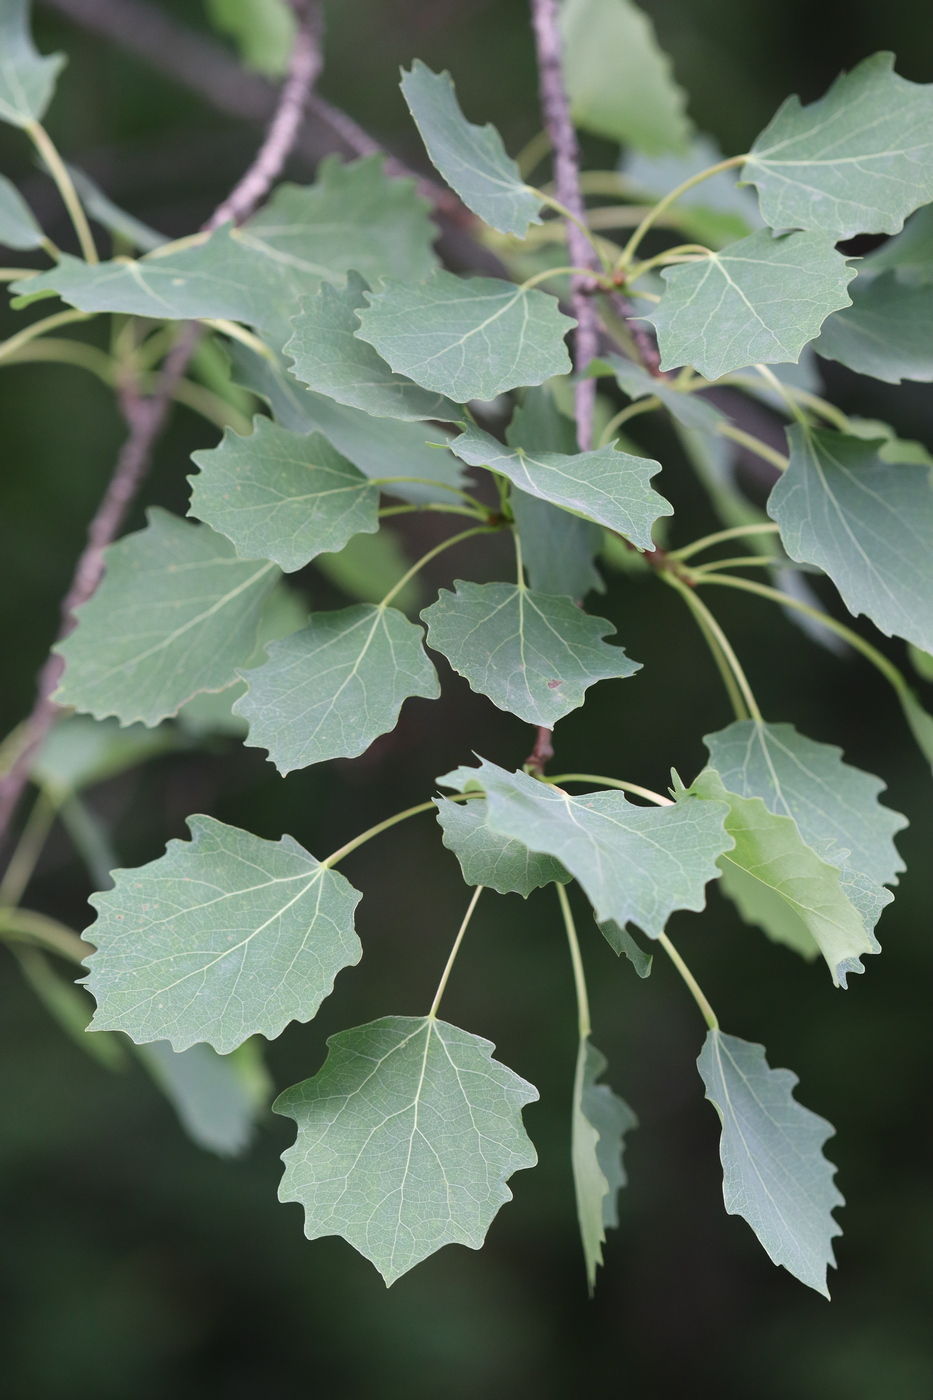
(146,416)
(556,110)
(542,752)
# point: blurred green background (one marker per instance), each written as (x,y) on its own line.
(136,1265)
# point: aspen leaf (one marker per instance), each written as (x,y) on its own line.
(18,227)
(406,1138)
(600,1120)
(533,655)
(857,161)
(176,612)
(468,338)
(27,78)
(223,937)
(487,858)
(774,1172)
(758,301)
(330,358)
(636,864)
(606,485)
(472,159)
(329,690)
(281,495)
(887,332)
(866,522)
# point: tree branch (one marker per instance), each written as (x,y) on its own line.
(146,416)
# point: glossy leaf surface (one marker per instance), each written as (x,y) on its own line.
(406,1138)
(223,937)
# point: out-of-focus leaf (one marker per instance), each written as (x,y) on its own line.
(263,31)
(214,1104)
(688,409)
(27,78)
(620,82)
(18,225)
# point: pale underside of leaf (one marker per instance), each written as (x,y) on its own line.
(281,495)
(607,486)
(468,339)
(472,159)
(486,858)
(774,1172)
(759,301)
(533,655)
(866,522)
(219,939)
(329,690)
(636,864)
(857,161)
(175,614)
(406,1138)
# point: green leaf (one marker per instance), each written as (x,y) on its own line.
(636,864)
(759,301)
(472,159)
(263,31)
(80,751)
(27,78)
(887,332)
(781,884)
(112,217)
(223,937)
(406,1138)
(213,1102)
(470,339)
(619,81)
(281,495)
(329,690)
(285,610)
(18,226)
(533,655)
(558,548)
(600,1120)
(798,778)
(688,409)
(714,212)
(857,161)
(354,216)
(866,522)
(909,255)
(774,1172)
(330,358)
(380,447)
(608,486)
(175,614)
(486,858)
(621,941)
(893,448)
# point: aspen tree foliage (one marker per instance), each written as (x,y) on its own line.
(386,383)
